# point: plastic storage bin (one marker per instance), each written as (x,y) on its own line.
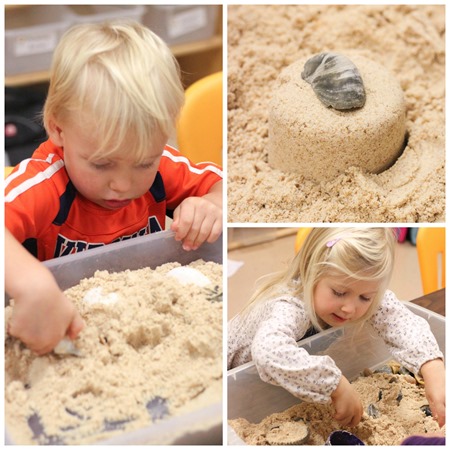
(353,350)
(182,24)
(104,13)
(29,48)
(202,426)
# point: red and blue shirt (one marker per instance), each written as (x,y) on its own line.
(44,211)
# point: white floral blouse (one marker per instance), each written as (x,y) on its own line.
(268,335)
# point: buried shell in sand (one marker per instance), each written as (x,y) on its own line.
(288,433)
(335,80)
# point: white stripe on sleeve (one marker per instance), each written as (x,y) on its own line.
(183,159)
(31,182)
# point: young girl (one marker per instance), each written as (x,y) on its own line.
(340,276)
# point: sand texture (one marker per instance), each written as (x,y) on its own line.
(151,349)
(408,40)
(397,399)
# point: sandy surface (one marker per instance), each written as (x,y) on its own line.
(397,398)
(152,348)
(408,40)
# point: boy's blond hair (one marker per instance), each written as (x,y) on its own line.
(357,253)
(119,80)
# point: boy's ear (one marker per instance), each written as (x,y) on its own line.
(55,133)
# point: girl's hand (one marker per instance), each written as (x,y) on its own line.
(199,219)
(347,404)
(433,373)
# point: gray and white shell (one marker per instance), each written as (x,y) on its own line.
(335,80)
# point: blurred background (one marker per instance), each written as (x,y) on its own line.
(193,32)
(254,252)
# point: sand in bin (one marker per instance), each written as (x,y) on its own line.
(152,349)
(397,398)
(408,40)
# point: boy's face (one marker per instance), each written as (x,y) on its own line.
(340,300)
(110,182)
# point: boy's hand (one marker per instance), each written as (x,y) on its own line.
(199,219)
(42,317)
(347,404)
(42,314)
(433,373)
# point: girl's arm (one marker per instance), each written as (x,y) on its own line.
(281,362)
(412,344)
(433,373)
(269,335)
(407,335)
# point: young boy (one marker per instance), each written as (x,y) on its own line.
(105,173)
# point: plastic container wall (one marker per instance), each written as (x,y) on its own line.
(146,251)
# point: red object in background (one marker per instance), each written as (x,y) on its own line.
(402,234)
(10,130)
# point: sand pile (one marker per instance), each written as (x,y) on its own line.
(408,40)
(152,349)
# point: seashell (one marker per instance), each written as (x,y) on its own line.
(288,433)
(373,411)
(426,410)
(409,379)
(395,366)
(66,347)
(390,367)
(399,397)
(335,80)
(384,369)
(343,438)
(419,379)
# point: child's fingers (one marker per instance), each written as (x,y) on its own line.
(209,230)
(343,419)
(182,222)
(75,327)
(216,231)
(196,221)
(438,411)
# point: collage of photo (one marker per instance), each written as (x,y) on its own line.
(225,224)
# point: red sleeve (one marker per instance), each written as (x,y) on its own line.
(183,179)
(31,196)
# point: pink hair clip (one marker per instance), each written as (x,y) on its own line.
(332,242)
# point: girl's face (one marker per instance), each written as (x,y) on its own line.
(111,182)
(341,300)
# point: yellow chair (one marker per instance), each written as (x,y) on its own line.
(199,130)
(302,233)
(430,244)
(8,170)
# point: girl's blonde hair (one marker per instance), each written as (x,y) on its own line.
(357,253)
(118,79)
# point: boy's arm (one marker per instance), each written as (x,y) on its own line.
(42,314)
(199,219)
(215,194)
